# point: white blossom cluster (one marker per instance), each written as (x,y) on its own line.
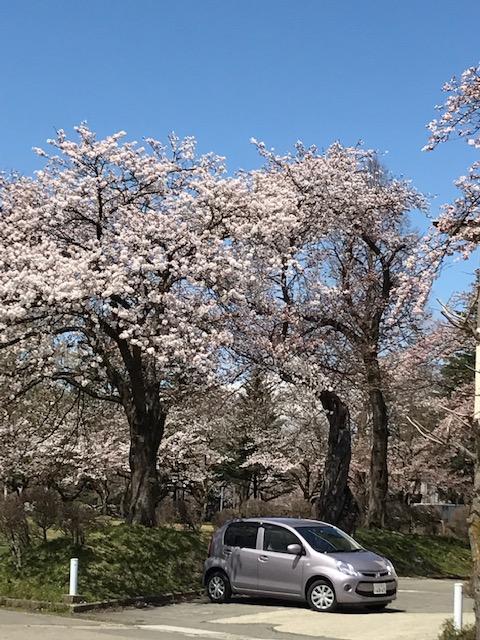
(458,225)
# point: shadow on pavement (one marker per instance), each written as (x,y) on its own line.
(249,601)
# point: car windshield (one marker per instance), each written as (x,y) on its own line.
(328,539)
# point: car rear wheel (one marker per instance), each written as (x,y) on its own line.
(321,596)
(218,587)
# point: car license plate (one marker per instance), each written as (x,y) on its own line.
(380,588)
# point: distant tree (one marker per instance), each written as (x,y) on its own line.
(43,507)
(459,368)
(59,438)
(254,455)
(306,429)
(426,431)
(193,448)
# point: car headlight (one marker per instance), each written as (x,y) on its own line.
(346,567)
(390,567)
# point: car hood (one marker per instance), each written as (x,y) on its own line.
(364,561)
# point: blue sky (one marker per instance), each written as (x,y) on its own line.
(224,71)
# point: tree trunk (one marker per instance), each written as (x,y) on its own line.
(336,503)
(146,432)
(255,485)
(474,531)
(378,461)
(125,500)
(103,492)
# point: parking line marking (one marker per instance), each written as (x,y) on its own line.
(206,633)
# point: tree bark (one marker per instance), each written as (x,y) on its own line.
(336,503)
(146,432)
(378,461)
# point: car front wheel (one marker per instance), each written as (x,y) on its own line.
(321,596)
(218,587)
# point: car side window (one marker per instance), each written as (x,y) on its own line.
(277,539)
(241,534)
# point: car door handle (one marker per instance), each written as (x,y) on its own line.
(227,552)
(263,558)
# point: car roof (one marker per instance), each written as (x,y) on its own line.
(291,522)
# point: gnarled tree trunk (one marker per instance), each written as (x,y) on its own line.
(336,503)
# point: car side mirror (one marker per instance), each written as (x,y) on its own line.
(295,549)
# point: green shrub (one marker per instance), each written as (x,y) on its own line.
(225,515)
(43,507)
(44,574)
(76,519)
(14,528)
(450,633)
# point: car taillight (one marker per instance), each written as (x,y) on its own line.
(209,548)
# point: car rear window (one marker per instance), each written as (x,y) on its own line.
(241,534)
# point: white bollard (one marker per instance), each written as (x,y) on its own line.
(73,576)
(457,605)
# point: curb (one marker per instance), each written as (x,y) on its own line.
(34,605)
(162,600)
(81,607)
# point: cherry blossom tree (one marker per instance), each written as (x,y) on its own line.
(427,421)
(88,452)
(131,274)
(62,439)
(457,231)
(114,267)
(307,436)
(191,452)
(336,282)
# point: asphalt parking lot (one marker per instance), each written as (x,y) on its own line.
(417,614)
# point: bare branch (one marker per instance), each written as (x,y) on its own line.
(444,443)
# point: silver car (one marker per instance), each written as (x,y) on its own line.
(296,559)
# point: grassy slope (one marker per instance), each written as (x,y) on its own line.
(420,555)
(121,561)
(128,561)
